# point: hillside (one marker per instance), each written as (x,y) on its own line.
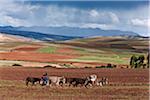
(137,44)
(12,38)
(95,51)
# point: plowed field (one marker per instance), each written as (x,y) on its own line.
(124,84)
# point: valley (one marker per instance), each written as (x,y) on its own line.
(90,52)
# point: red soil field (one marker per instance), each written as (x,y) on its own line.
(23,54)
(27,53)
(28,48)
(123,76)
(33,56)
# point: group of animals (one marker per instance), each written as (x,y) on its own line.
(61,81)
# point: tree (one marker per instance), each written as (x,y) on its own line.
(148,60)
(133,61)
(137,62)
(140,61)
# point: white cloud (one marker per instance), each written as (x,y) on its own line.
(11,13)
(22,14)
(141,22)
(102,26)
(94,13)
(114,17)
(18,13)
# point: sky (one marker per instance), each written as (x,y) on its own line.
(124,15)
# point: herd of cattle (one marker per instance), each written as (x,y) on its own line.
(63,81)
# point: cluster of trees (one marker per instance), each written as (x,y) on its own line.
(138,61)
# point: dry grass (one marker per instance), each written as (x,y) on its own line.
(16,90)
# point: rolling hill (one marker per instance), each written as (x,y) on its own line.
(82,52)
(135,44)
(12,38)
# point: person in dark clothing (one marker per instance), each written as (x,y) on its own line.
(45,79)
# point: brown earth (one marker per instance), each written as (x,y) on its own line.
(27,48)
(122,43)
(29,54)
(124,84)
(33,56)
(123,76)
(18,91)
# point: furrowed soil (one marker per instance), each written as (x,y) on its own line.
(124,84)
(33,56)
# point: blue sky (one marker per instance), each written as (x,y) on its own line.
(107,15)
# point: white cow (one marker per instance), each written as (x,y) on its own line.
(56,80)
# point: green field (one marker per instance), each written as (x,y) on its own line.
(105,55)
(47,49)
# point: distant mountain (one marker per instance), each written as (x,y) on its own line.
(62,33)
(34,35)
(80,32)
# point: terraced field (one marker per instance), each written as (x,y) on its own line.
(98,51)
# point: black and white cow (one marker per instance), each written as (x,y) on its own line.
(102,82)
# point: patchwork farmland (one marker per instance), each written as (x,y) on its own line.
(77,58)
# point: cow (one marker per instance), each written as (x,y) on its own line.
(103,81)
(32,80)
(75,81)
(81,81)
(93,78)
(56,80)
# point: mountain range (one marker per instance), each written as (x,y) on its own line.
(61,33)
